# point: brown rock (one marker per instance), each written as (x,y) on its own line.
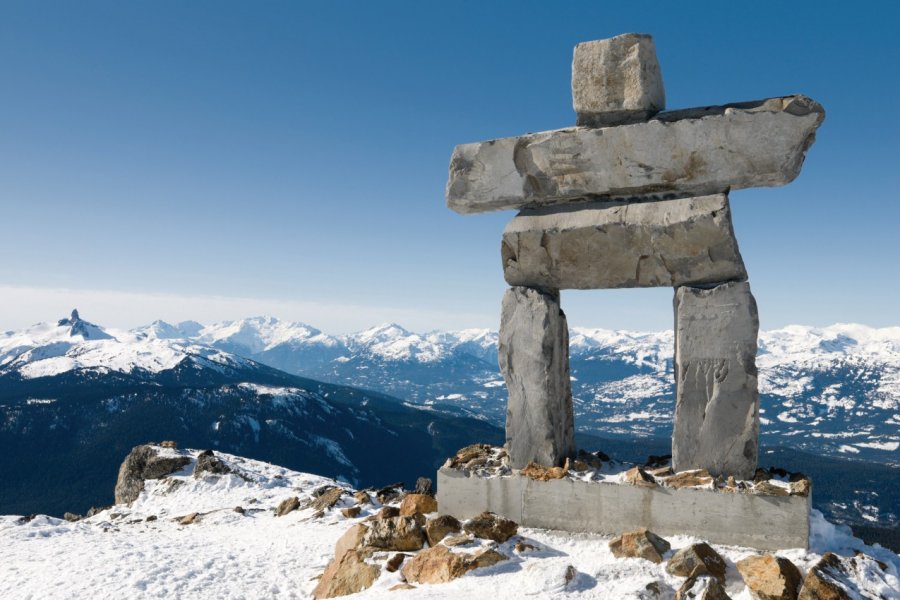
(142,463)
(801,487)
(523,547)
(487,558)
(417,504)
(697,559)
(346,575)
(638,476)
(169,444)
(838,578)
(350,512)
(464,455)
(287,505)
(188,519)
(401,586)
(390,493)
(640,543)
(458,540)
(394,562)
(326,498)
(489,526)
(770,577)
(660,471)
(388,512)
(436,565)
(685,479)
(362,497)
(702,587)
(351,540)
(542,473)
(71,517)
(239,510)
(396,533)
(437,529)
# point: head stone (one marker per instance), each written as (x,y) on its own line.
(616,81)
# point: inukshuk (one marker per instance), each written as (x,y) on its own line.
(633,197)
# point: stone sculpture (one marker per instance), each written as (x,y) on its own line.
(633,197)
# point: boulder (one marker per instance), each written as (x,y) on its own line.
(351,512)
(436,565)
(348,574)
(188,519)
(702,587)
(352,539)
(362,497)
(533,349)
(487,558)
(208,462)
(71,517)
(325,498)
(143,463)
(417,504)
(770,577)
(697,559)
(489,526)
(458,540)
(640,543)
(616,80)
(639,477)
(440,527)
(397,533)
(716,424)
(424,485)
(394,562)
(687,479)
(665,242)
(390,493)
(847,578)
(388,512)
(466,455)
(287,505)
(696,151)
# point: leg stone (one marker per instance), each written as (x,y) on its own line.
(534,360)
(716,399)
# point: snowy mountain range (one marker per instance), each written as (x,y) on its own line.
(832,390)
(73,395)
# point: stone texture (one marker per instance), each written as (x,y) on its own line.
(638,476)
(326,497)
(615,244)
(397,533)
(542,473)
(697,151)
(417,504)
(489,526)
(351,539)
(345,575)
(838,578)
(770,577)
(287,505)
(208,462)
(142,463)
(534,358)
(616,80)
(697,559)
(716,424)
(438,528)
(436,565)
(640,543)
(702,587)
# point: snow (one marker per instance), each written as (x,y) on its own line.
(119,554)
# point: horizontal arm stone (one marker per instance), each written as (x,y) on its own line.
(607,244)
(696,151)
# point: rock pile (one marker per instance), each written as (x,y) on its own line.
(633,197)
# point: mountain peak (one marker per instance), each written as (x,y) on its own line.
(78,326)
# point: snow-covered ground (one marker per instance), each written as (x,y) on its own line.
(119,554)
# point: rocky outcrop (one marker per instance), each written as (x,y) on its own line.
(287,505)
(489,526)
(208,462)
(420,504)
(534,358)
(770,577)
(702,587)
(542,473)
(697,152)
(614,244)
(439,565)
(838,578)
(440,527)
(616,81)
(697,559)
(641,543)
(143,463)
(716,425)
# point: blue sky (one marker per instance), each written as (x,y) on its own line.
(214,160)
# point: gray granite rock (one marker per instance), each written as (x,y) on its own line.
(716,425)
(608,244)
(534,360)
(616,81)
(697,151)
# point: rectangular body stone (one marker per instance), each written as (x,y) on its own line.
(716,424)
(616,81)
(743,519)
(609,244)
(697,152)
(533,348)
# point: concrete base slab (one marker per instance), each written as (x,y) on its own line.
(756,521)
